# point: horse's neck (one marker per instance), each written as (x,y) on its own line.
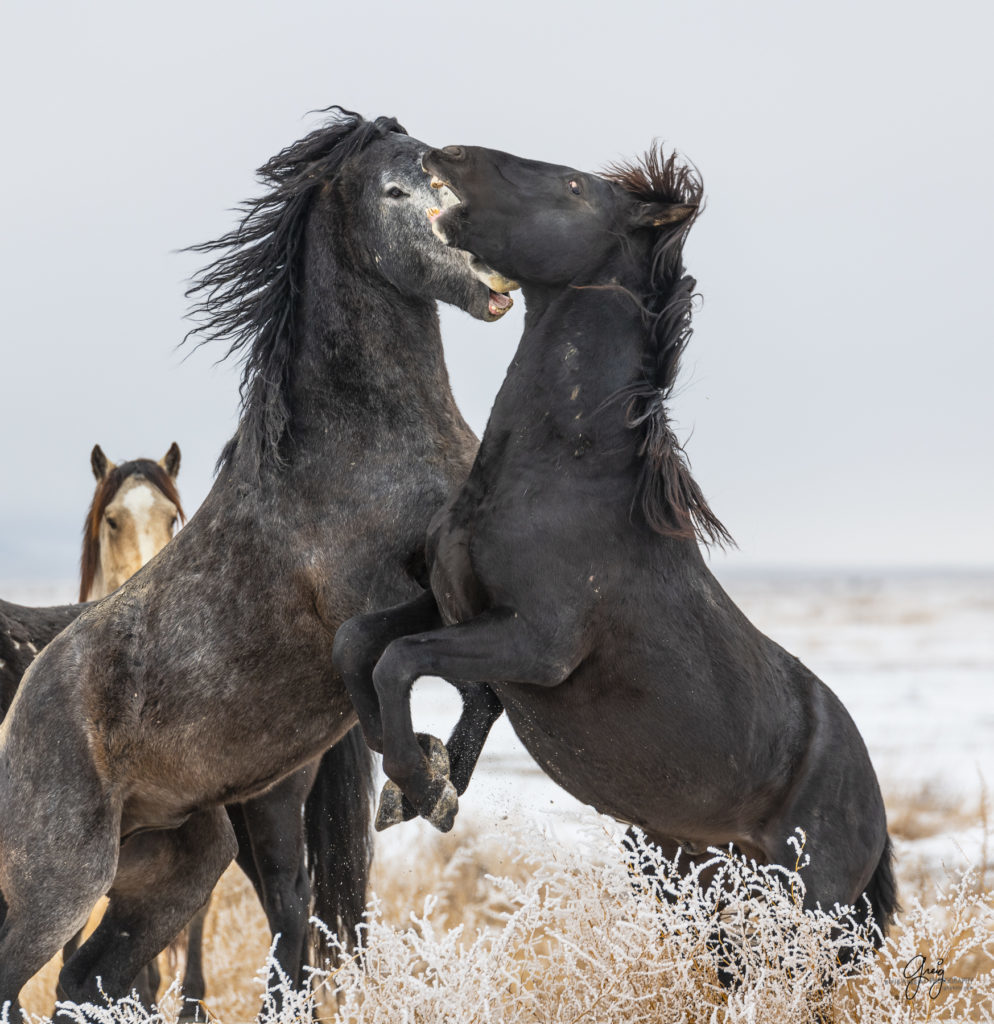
(368,369)
(368,355)
(580,347)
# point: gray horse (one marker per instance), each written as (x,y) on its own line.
(208,677)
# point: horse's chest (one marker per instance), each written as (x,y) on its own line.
(454,582)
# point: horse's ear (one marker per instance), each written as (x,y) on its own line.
(170,461)
(658,215)
(99,463)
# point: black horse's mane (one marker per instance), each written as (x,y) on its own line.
(671,500)
(249,295)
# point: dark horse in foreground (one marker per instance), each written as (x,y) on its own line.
(566,573)
(207,677)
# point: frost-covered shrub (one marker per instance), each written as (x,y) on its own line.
(571,934)
(587,939)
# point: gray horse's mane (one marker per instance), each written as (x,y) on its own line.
(249,296)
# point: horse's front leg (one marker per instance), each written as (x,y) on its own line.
(481,707)
(497,645)
(359,643)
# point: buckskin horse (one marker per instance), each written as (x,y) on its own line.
(133,515)
(207,677)
(566,573)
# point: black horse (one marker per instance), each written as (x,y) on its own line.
(24,631)
(567,570)
(207,677)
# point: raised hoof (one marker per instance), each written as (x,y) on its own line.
(443,814)
(391,809)
(437,754)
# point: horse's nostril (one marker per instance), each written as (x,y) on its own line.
(455,152)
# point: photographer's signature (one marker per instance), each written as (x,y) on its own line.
(917,972)
(921,979)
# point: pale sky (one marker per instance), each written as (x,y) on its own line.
(837,392)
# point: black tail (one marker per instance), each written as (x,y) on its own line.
(882,892)
(338,831)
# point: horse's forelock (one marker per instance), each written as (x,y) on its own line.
(658,178)
(320,154)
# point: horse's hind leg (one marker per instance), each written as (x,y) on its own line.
(639,852)
(194,984)
(146,984)
(275,828)
(47,904)
(163,878)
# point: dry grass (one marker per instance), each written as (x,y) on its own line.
(929,809)
(473,928)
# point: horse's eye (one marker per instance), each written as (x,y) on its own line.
(172,523)
(574,187)
(393,192)
(111,522)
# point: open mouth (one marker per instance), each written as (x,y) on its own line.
(499,302)
(437,182)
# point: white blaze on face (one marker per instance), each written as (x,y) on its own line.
(140,501)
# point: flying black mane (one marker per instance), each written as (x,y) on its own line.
(670,498)
(249,295)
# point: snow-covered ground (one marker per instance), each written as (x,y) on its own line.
(910,655)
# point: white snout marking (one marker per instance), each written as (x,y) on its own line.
(139,501)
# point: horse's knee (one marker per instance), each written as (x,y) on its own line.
(350,652)
(391,676)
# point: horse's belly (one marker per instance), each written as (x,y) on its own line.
(622,758)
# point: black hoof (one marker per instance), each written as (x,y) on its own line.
(192,1011)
